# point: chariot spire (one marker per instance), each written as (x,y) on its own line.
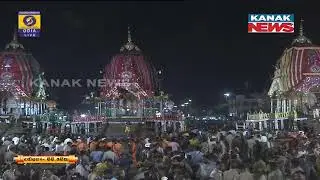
(301,39)
(14,44)
(301,27)
(129,34)
(129,46)
(15,38)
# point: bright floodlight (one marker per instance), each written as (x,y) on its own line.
(227,94)
(82,115)
(190,100)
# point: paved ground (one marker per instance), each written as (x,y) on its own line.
(3,127)
(117,130)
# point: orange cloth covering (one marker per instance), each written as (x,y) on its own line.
(165,144)
(117,148)
(133,147)
(75,143)
(102,144)
(82,146)
(110,144)
(93,145)
(65,153)
(134,153)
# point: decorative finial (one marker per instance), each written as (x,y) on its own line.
(14,44)
(301,27)
(129,34)
(129,45)
(15,38)
(301,40)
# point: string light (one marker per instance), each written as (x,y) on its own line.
(309,83)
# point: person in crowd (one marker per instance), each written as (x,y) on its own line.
(133,151)
(82,145)
(109,155)
(245,173)
(93,144)
(67,147)
(11,173)
(10,154)
(260,169)
(229,154)
(97,155)
(275,173)
(117,148)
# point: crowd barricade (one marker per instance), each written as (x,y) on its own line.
(88,118)
(165,118)
(54,130)
(264,116)
(92,118)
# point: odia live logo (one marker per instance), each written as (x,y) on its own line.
(29,21)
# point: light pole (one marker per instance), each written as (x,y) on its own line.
(189,107)
(186,107)
(227,95)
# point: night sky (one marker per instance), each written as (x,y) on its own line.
(204,48)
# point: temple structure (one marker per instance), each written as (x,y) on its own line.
(129,93)
(54,120)
(294,90)
(130,82)
(22,91)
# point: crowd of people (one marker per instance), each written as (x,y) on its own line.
(214,154)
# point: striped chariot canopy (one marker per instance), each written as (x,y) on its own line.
(298,69)
(18,69)
(129,71)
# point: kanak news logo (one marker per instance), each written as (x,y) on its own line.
(270,23)
(29,23)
